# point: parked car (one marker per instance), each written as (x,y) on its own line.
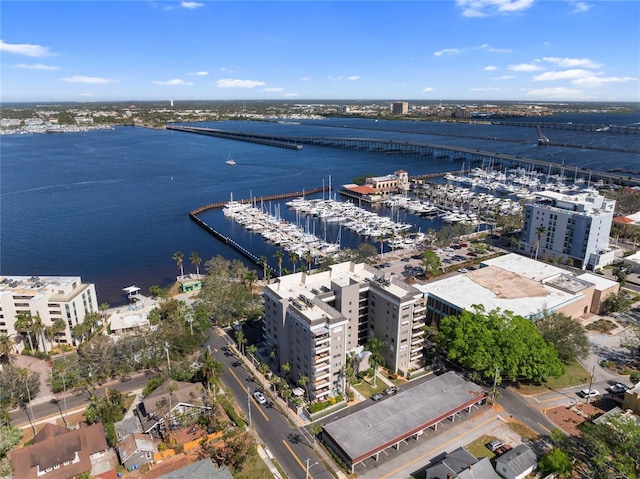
(494,445)
(260,397)
(405,260)
(377,397)
(589,393)
(463,270)
(502,449)
(390,391)
(617,388)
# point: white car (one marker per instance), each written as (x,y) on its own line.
(589,393)
(258,396)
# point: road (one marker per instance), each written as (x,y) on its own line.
(282,437)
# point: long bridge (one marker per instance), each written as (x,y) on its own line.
(548,125)
(420,149)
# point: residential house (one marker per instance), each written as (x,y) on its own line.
(203,469)
(136,450)
(165,406)
(463,465)
(517,463)
(59,453)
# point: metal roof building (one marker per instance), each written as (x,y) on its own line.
(370,431)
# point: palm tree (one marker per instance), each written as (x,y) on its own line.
(540,232)
(251,350)
(23,324)
(211,368)
(303,381)
(278,255)
(286,368)
(241,340)
(374,346)
(57,327)
(263,262)
(6,347)
(381,241)
(196,260)
(177,257)
(294,258)
(38,329)
(308,257)
(251,277)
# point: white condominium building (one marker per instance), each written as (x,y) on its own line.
(313,320)
(570,227)
(50,298)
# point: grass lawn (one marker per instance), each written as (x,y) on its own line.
(478,447)
(367,390)
(253,467)
(574,375)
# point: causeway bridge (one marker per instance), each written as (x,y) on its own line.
(414,148)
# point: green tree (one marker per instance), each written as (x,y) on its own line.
(308,257)
(555,461)
(375,346)
(251,277)
(540,232)
(24,325)
(178,257)
(621,272)
(568,336)
(241,340)
(303,381)
(294,258)
(618,303)
(483,342)
(251,350)
(6,348)
(430,262)
(9,437)
(108,410)
(37,328)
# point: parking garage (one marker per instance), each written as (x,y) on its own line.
(410,413)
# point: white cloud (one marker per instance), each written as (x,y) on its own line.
(191,5)
(427,89)
(560,93)
(579,7)
(198,74)
(233,83)
(25,49)
(572,62)
(484,8)
(500,50)
(563,75)
(174,82)
(597,81)
(353,78)
(447,51)
(305,78)
(505,77)
(86,94)
(335,78)
(490,68)
(291,95)
(36,66)
(86,79)
(525,67)
(273,89)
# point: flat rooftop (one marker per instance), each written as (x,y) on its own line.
(383,424)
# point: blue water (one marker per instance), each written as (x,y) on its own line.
(111,206)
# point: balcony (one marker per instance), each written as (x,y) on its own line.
(325,338)
(322,349)
(322,356)
(322,383)
(322,366)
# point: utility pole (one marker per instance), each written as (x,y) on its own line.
(166,349)
(495,387)
(306,476)
(593,372)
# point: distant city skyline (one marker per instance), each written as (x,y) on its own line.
(500,50)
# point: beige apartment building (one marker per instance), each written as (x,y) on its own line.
(313,321)
(50,298)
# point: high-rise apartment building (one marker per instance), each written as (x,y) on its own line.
(572,227)
(399,107)
(313,321)
(50,298)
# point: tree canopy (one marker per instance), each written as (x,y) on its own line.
(568,336)
(483,342)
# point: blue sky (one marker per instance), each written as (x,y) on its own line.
(524,50)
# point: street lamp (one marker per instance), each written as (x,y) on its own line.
(306,475)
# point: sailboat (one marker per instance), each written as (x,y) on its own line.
(230,161)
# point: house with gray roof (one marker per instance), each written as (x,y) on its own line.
(461,464)
(203,469)
(166,404)
(517,462)
(137,449)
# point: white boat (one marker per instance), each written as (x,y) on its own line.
(230,161)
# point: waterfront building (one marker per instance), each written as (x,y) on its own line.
(399,107)
(48,297)
(384,185)
(313,321)
(524,286)
(571,227)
